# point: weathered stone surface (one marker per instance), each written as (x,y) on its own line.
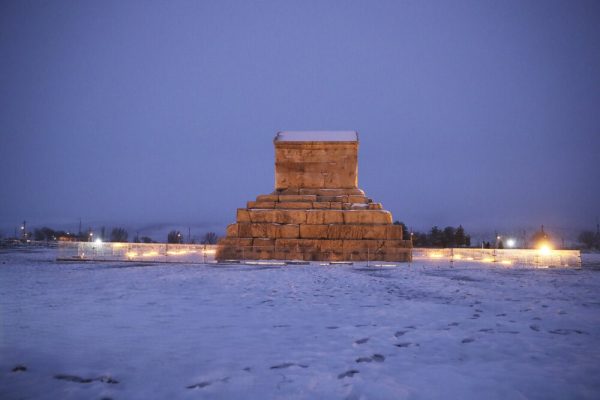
(340,199)
(332,192)
(262,242)
(394,232)
(357,199)
(267,197)
(288,231)
(375,206)
(261,204)
(232,230)
(321,205)
(278,216)
(324,217)
(297,197)
(243,215)
(314,231)
(374,232)
(235,241)
(287,191)
(302,205)
(316,165)
(360,217)
(344,231)
(336,205)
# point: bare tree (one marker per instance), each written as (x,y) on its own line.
(175,237)
(118,235)
(210,238)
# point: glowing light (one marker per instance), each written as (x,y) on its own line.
(209,251)
(488,259)
(545,249)
(176,252)
(98,240)
(436,255)
(118,245)
(131,254)
(506,262)
(150,254)
(457,257)
(511,242)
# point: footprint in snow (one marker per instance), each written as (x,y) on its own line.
(374,357)
(468,340)
(486,330)
(19,368)
(348,374)
(361,341)
(332,327)
(78,379)
(403,344)
(453,324)
(399,333)
(287,365)
(534,328)
(204,384)
(566,331)
(501,315)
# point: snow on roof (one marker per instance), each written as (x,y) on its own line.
(317,136)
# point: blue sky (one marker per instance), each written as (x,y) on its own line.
(131,113)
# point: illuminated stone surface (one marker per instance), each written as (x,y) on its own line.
(317,212)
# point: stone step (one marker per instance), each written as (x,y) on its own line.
(315,250)
(304,231)
(314,216)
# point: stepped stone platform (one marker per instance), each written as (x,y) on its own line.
(317,212)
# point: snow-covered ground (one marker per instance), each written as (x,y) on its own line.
(418,331)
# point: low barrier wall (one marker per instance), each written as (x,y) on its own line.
(529,257)
(150,252)
(205,253)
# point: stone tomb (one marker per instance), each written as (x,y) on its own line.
(317,212)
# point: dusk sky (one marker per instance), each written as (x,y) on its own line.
(485,114)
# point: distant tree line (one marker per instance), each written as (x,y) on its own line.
(117,235)
(436,237)
(176,237)
(589,240)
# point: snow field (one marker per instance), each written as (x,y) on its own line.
(419,331)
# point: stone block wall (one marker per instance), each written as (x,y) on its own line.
(318,225)
(317,212)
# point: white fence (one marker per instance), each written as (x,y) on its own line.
(149,252)
(527,257)
(202,254)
